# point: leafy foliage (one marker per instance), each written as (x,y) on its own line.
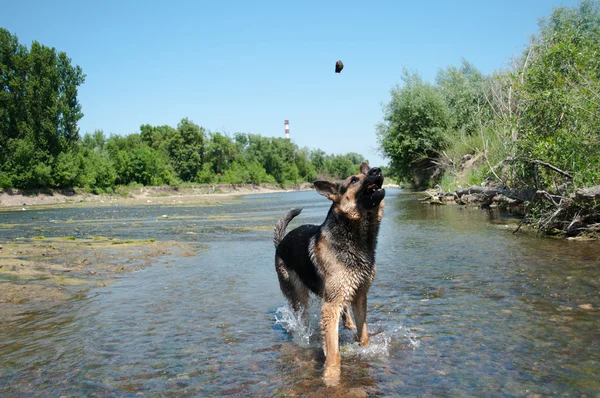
(416,122)
(546,109)
(558,82)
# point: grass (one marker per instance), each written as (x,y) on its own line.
(487,149)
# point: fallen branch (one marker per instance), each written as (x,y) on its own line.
(540,163)
(518,195)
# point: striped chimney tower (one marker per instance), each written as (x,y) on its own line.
(287,129)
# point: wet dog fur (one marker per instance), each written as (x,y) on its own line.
(334,260)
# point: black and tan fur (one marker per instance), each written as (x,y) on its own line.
(334,260)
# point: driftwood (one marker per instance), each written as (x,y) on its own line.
(588,194)
(436,196)
(551,213)
(475,189)
(574,215)
(555,213)
(499,194)
(482,196)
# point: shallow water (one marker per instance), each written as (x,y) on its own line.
(460,307)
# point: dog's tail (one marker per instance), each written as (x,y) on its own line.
(282,225)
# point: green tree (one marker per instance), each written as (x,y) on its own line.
(221,151)
(136,162)
(69,108)
(462,90)
(341,167)
(186,149)
(95,141)
(39,112)
(414,129)
(157,137)
(149,168)
(318,160)
(305,167)
(257,174)
(68,169)
(99,172)
(14,108)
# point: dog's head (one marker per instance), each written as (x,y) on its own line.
(357,194)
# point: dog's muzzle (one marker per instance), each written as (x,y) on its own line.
(374,193)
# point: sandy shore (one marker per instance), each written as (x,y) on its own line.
(158,195)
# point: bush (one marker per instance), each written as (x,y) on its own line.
(5,180)
(68,167)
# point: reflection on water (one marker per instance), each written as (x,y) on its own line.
(460,307)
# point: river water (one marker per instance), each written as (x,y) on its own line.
(460,307)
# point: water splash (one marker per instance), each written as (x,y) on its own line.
(293,323)
(380,342)
(309,334)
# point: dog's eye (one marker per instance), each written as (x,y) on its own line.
(354,179)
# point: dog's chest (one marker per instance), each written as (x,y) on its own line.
(353,261)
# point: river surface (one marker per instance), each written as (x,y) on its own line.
(460,307)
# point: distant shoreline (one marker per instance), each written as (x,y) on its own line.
(125,195)
(198,194)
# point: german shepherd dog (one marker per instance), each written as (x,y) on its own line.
(334,260)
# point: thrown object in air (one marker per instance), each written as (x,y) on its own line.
(339,66)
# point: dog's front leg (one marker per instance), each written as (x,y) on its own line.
(359,308)
(330,317)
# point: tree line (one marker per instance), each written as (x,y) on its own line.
(164,155)
(40,144)
(466,127)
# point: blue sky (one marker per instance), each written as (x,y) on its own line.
(245,66)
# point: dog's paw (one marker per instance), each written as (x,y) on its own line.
(349,325)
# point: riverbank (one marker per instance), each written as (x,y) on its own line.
(574,215)
(131,195)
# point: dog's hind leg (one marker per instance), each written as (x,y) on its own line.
(299,297)
(292,287)
(347,318)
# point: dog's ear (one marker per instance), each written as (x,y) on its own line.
(364,168)
(328,189)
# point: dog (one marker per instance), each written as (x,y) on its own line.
(334,260)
